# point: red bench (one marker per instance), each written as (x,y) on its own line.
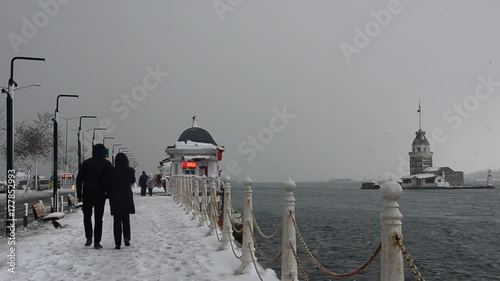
(41,215)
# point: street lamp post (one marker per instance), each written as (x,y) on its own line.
(93,133)
(56,120)
(79,143)
(11,174)
(83,144)
(113,153)
(106,138)
(66,148)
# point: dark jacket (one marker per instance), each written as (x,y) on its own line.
(143,180)
(92,172)
(121,178)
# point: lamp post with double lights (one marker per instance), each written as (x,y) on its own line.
(9,106)
(54,174)
(93,134)
(113,153)
(79,142)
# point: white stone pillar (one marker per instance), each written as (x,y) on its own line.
(227,229)
(212,211)
(189,186)
(203,200)
(247,247)
(288,262)
(62,202)
(196,195)
(392,258)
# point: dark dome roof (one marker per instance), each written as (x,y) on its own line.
(196,134)
(420,139)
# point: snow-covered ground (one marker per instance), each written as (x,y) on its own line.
(166,245)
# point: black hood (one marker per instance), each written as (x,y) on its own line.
(99,151)
(121,160)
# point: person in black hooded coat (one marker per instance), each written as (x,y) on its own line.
(91,182)
(121,199)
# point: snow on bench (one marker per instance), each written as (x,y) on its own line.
(42,216)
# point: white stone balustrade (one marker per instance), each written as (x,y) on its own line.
(227,228)
(288,262)
(247,247)
(390,220)
(212,208)
(203,200)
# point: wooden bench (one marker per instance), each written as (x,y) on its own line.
(41,215)
(72,205)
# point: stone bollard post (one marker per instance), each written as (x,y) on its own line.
(288,262)
(247,247)
(25,218)
(51,203)
(227,228)
(181,188)
(196,194)
(175,187)
(189,199)
(62,202)
(392,258)
(203,200)
(212,211)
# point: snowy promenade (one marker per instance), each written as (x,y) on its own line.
(166,245)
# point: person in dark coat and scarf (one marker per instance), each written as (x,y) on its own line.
(121,178)
(91,181)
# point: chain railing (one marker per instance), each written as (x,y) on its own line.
(280,227)
(398,239)
(392,239)
(261,253)
(322,268)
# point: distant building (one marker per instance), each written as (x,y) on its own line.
(422,173)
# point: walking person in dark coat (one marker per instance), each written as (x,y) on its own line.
(121,199)
(143,183)
(91,182)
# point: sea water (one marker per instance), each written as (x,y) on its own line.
(450,234)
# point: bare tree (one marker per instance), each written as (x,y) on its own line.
(33,142)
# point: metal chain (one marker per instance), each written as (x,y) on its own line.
(255,263)
(398,239)
(326,271)
(299,264)
(280,226)
(232,246)
(266,259)
(233,225)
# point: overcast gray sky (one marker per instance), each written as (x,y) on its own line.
(349,74)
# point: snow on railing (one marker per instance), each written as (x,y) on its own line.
(197,195)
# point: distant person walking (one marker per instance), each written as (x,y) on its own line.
(120,180)
(143,183)
(91,182)
(151,184)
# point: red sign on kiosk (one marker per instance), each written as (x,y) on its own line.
(188,165)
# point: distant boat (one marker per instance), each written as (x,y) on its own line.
(370,185)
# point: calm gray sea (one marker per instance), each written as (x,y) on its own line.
(451,234)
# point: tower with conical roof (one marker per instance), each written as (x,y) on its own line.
(420,155)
